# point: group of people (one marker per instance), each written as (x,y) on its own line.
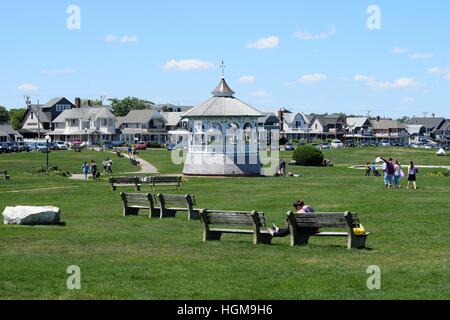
(393,173)
(281,171)
(92,168)
(132,151)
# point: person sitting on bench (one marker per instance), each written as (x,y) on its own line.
(300,207)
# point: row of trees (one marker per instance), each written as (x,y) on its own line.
(13,116)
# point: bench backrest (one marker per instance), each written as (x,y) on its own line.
(176,201)
(139,199)
(3,172)
(124,180)
(324,220)
(235,218)
(165,179)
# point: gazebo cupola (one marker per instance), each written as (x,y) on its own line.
(223,136)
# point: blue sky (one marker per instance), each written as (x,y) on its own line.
(315,56)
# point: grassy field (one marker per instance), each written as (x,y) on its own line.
(138,258)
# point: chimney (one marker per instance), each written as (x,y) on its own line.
(434,115)
(78,103)
(281,119)
(378,118)
(89,103)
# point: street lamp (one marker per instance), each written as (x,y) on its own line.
(47,139)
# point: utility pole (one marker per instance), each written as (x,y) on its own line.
(39,121)
(425,114)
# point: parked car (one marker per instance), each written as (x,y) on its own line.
(42,147)
(13,146)
(5,147)
(141,145)
(324,145)
(289,146)
(385,143)
(32,146)
(337,144)
(61,145)
(1,149)
(23,146)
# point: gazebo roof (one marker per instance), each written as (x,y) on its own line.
(223,104)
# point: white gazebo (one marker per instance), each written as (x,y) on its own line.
(223,136)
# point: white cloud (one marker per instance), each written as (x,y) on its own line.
(189,64)
(259,94)
(437,70)
(247,79)
(306,35)
(111,38)
(398,50)
(422,56)
(126,39)
(129,39)
(308,79)
(28,87)
(264,43)
(401,83)
(364,78)
(57,72)
(408,100)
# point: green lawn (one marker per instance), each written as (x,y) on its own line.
(138,258)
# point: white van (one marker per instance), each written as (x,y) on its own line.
(337,144)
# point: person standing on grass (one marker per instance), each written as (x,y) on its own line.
(412,175)
(397,174)
(94,170)
(108,166)
(105,166)
(389,171)
(282,168)
(129,150)
(368,169)
(85,170)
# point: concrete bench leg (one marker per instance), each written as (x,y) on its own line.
(358,242)
(301,239)
(130,212)
(212,236)
(264,239)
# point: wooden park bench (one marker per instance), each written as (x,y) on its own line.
(119,154)
(165,181)
(134,162)
(234,222)
(5,175)
(124,182)
(303,225)
(170,204)
(134,202)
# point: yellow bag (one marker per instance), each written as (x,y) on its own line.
(359,231)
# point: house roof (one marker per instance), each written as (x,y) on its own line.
(385,124)
(42,115)
(415,129)
(172,118)
(7,130)
(223,104)
(266,117)
(325,120)
(429,123)
(84,114)
(356,122)
(142,116)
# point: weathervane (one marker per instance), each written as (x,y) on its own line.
(222,66)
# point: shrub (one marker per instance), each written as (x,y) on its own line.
(307,155)
(283,141)
(52,171)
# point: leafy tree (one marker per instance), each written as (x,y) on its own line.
(308,155)
(4,115)
(122,107)
(15,117)
(403,119)
(95,102)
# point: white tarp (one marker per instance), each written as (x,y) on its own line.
(31,215)
(441,152)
